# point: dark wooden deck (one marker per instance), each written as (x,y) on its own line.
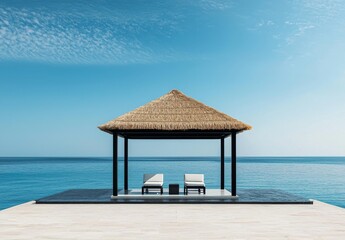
(246,196)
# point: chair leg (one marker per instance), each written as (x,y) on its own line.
(142,191)
(199,190)
(161,190)
(204,190)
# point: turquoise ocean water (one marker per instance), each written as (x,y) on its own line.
(25,179)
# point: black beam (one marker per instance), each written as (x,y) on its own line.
(115,160)
(233,164)
(222,166)
(172,137)
(174,134)
(126,165)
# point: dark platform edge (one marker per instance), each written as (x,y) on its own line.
(102,196)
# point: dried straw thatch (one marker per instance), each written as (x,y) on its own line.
(174,111)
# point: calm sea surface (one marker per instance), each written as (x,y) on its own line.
(25,179)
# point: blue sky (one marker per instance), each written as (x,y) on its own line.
(68,66)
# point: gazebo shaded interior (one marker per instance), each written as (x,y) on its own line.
(174,116)
(191,134)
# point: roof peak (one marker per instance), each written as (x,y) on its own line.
(175,91)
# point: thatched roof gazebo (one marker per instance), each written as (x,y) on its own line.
(174,116)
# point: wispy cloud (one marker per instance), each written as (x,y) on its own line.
(300,18)
(321,10)
(299,29)
(94,33)
(63,38)
(265,23)
(310,14)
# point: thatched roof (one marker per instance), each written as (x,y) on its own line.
(174,111)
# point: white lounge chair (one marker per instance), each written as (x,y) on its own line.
(152,181)
(194,181)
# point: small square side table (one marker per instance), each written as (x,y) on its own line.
(174,189)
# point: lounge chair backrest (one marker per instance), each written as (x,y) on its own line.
(153,177)
(194,177)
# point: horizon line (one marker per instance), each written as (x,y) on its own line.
(267,156)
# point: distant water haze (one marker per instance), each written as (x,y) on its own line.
(25,179)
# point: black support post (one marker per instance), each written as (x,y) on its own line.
(126,165)
(233,164)
(222,166)
(115,166)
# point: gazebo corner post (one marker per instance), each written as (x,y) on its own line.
(222,164)
(233,164)
(115,164)
(125,164)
